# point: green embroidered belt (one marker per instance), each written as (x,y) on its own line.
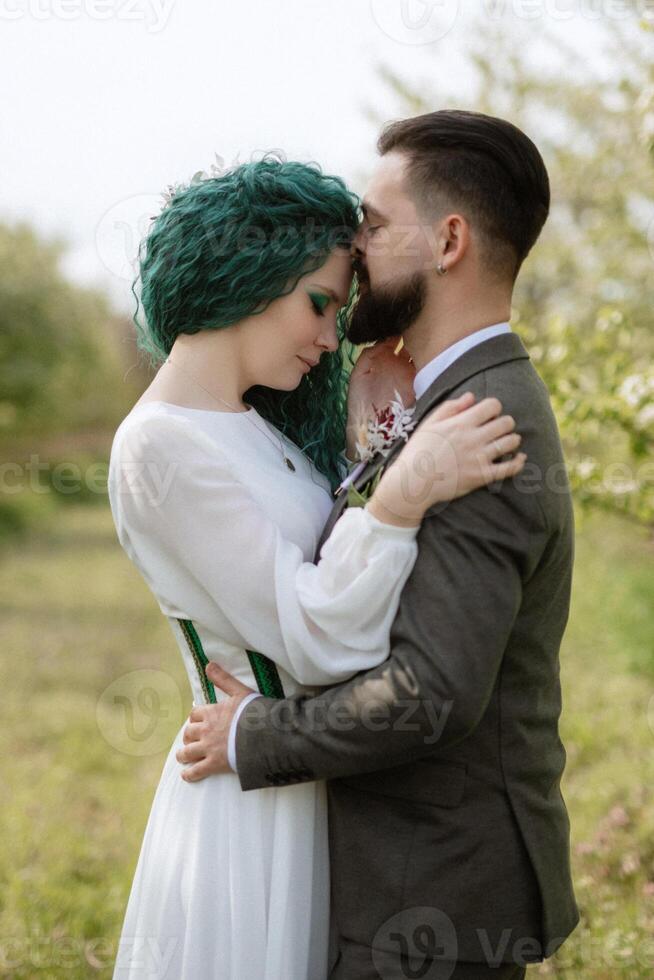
(264,670)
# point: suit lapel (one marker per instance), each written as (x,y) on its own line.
(498,350)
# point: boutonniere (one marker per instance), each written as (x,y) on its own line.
(359,498)
(377,435)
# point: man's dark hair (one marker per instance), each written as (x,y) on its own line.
(484,167)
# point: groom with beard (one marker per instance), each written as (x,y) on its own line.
(449,837)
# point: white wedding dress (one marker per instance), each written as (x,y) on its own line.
(234,885)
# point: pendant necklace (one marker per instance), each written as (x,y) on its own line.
(277,442)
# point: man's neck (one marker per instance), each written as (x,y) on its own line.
(436,330)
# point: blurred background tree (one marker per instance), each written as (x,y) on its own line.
(583,300)
(585,295)
(68,373)
(60,345)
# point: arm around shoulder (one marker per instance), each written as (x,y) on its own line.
(456,614)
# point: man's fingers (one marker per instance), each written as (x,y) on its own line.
(198,712)
(194,774)
(192,733)
(225,681)
(191,753)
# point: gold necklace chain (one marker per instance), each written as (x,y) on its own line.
(277,442)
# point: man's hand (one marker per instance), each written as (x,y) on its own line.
(207,733)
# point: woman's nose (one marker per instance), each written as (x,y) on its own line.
(328,339)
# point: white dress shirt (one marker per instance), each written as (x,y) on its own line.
(231,741)
(422,381)
(428,374)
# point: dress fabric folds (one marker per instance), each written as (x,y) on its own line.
(229,884)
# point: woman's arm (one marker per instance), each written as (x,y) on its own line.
(322,623)
(205,544)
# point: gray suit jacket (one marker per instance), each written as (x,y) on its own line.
(444,763)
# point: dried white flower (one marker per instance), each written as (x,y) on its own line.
(217,169)
(378,435)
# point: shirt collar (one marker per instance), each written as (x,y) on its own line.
(434,368)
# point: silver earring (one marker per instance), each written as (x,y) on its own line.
(441,269)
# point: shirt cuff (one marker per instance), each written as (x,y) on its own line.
(381,527)
(231,741)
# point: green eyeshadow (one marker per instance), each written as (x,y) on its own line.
(320,300)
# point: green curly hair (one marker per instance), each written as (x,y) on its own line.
(223,249)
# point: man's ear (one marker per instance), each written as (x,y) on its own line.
(455,238)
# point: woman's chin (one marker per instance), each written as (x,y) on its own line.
(290,381)
(289,384)
(298,376)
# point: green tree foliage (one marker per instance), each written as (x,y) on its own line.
(585,295)
(61,362)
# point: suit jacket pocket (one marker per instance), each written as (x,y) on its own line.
(430,781)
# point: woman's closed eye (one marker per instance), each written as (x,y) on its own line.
(320,302)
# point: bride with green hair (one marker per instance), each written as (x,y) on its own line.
(221,480)
(223,250)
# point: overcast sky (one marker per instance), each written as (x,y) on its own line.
(107,101)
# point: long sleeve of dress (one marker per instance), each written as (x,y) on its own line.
(178,507)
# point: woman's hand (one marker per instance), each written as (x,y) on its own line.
(377,375)
(452,451)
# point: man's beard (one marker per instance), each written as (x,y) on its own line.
(385,312)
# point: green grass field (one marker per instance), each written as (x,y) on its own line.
(76,619)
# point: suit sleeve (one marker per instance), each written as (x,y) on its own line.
(456,614)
